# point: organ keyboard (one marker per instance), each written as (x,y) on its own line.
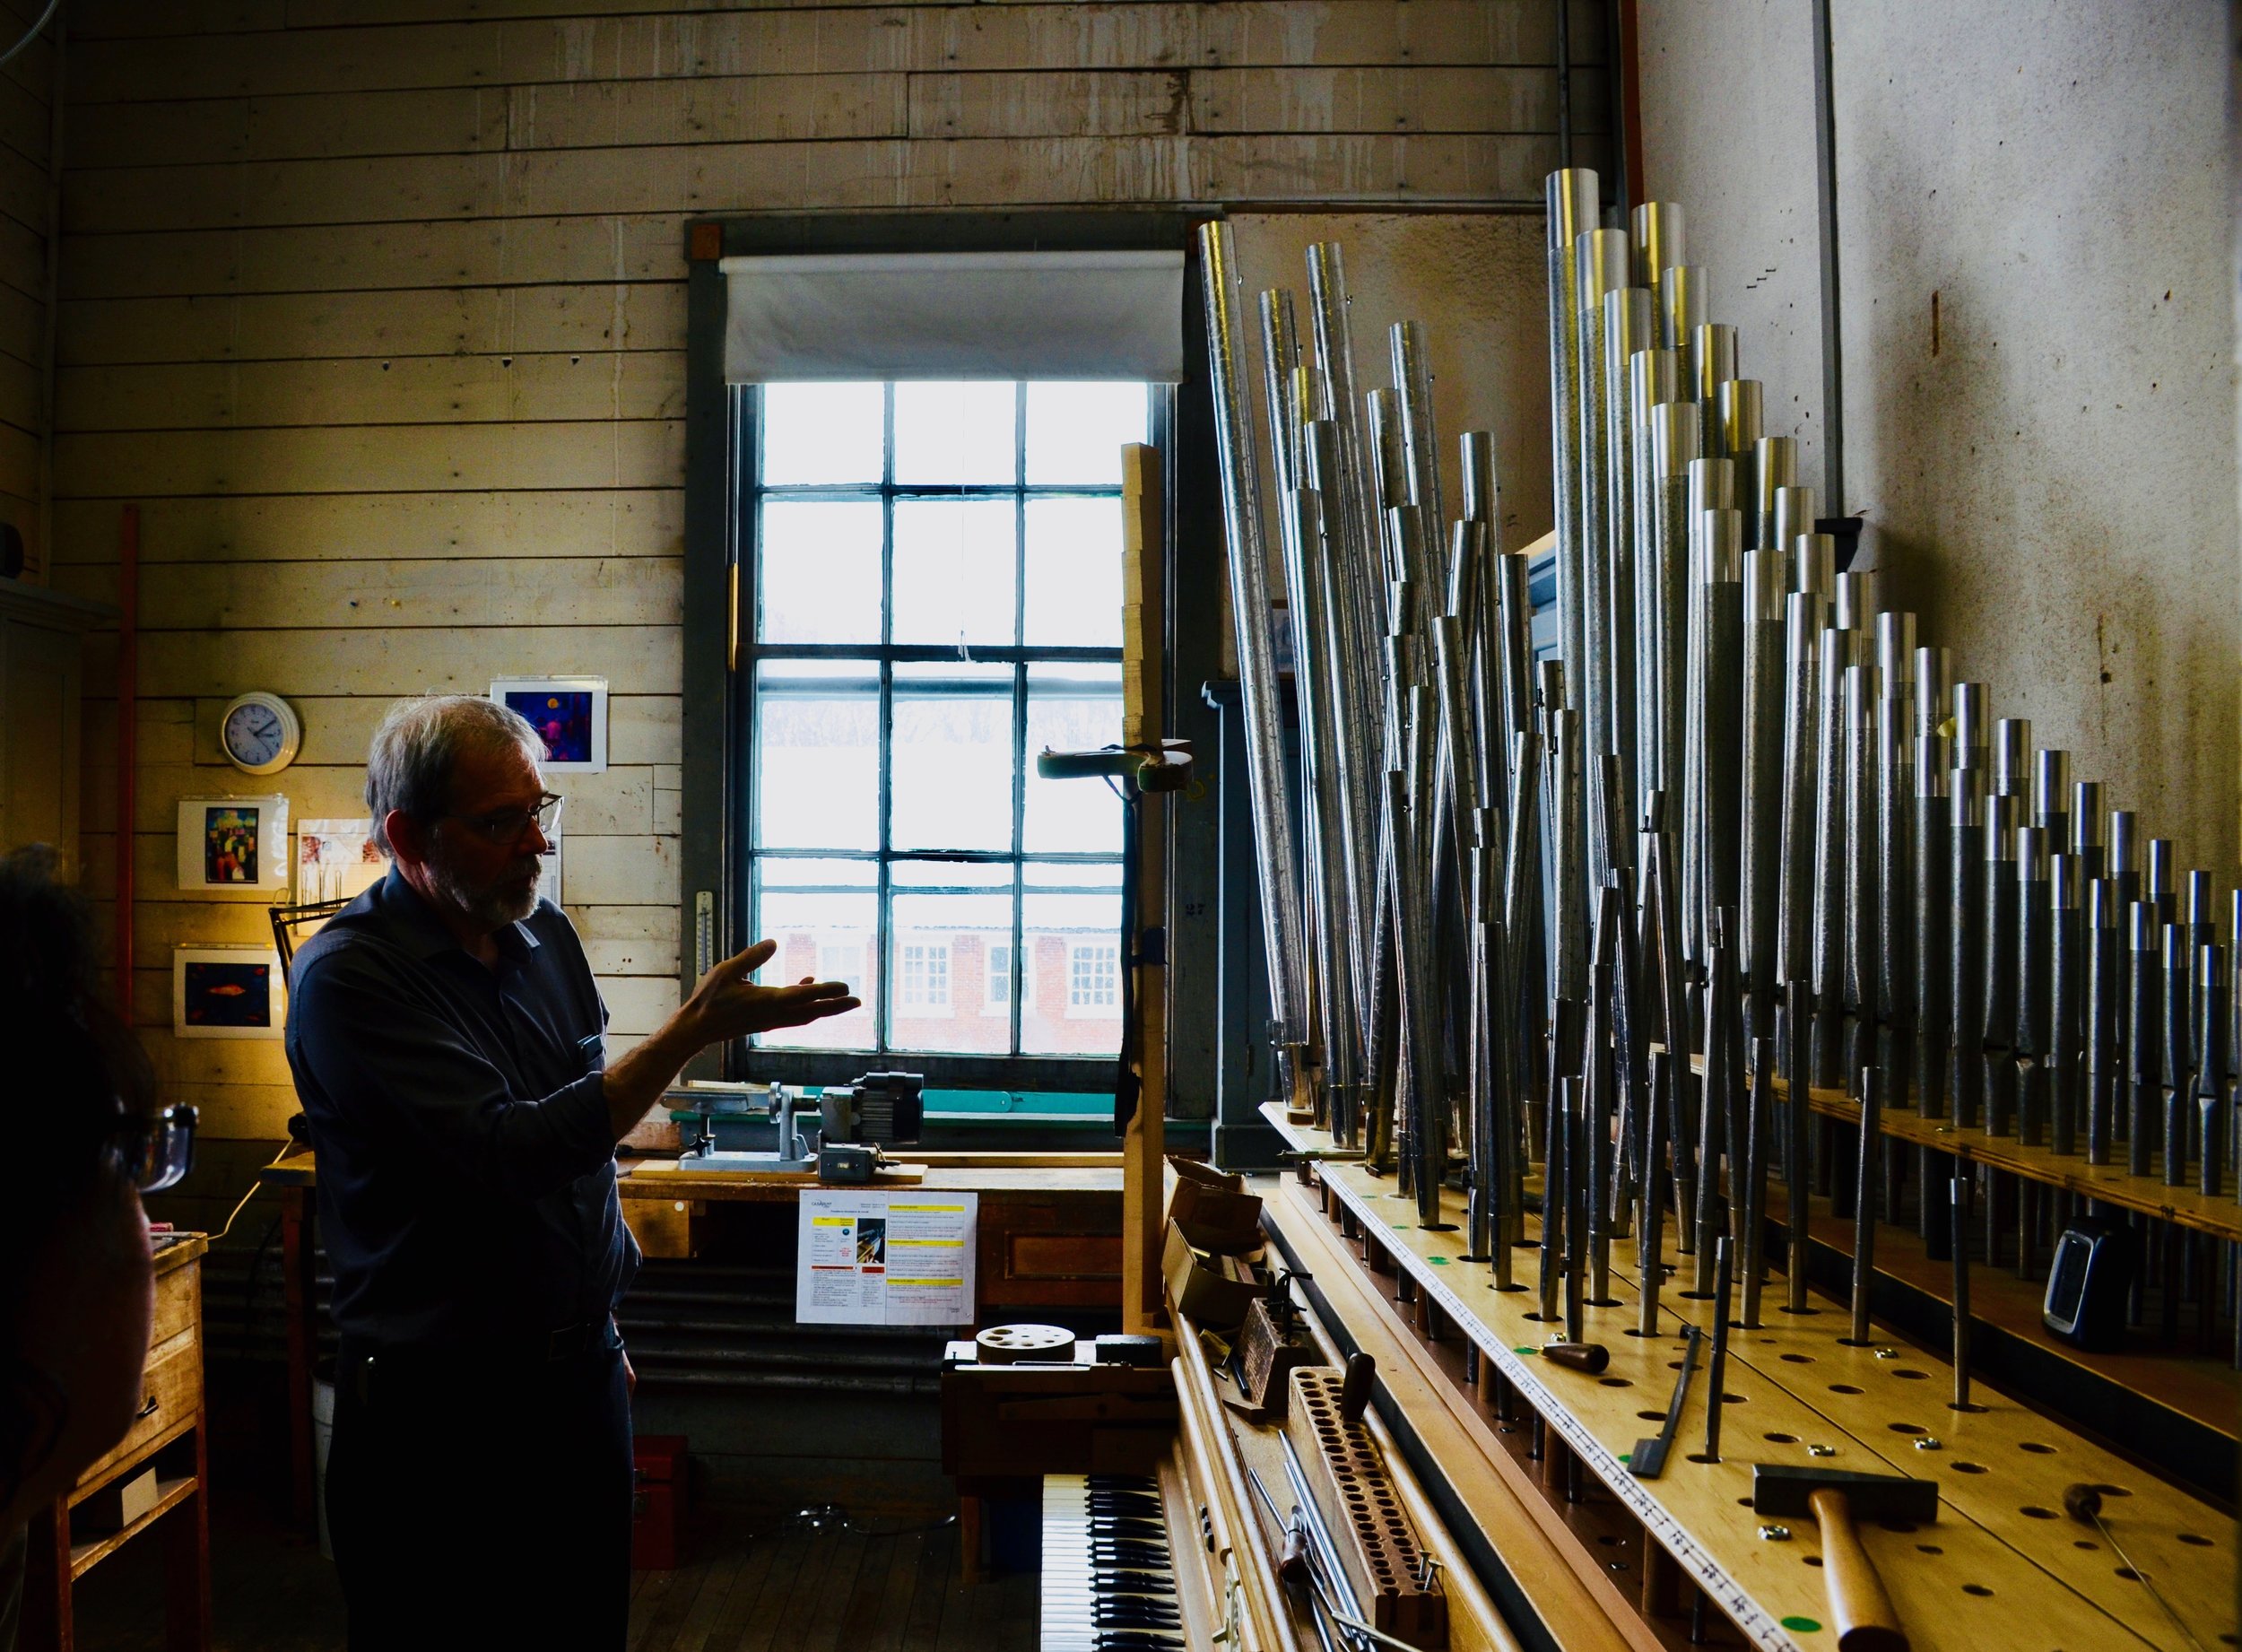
(1109,1574)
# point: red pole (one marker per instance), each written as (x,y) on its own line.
(128,742)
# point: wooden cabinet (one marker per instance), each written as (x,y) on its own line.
(166,1441)
(42,674)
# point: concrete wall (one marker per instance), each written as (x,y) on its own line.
(1743,170)
(2048,470)
(1479,285)
(378,309)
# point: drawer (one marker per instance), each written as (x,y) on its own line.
(179,1302)
(172,1386)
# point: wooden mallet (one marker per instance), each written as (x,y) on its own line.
(1860,1611)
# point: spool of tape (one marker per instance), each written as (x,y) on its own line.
(1014,1345)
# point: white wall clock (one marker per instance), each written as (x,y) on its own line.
(260,733)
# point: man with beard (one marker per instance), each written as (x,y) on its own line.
(446,1036)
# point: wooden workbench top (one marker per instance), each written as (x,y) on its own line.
(1999,1567)
(998,1174)
(991,1175)
(182,1249)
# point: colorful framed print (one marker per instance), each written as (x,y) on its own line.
(570,715)
(233,845)
(228,992)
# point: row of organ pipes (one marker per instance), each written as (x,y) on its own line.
(1582,911)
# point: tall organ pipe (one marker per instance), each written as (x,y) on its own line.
(1573,197)
(1282,935)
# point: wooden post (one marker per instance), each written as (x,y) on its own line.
(1144,632)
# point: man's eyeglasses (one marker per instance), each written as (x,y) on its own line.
(156,1151)
(508,826)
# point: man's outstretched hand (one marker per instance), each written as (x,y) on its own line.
(726,1006)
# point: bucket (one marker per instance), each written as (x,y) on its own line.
(322,1437)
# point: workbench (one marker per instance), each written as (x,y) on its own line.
(168,1438)
(1999,1567)
(1050,1233)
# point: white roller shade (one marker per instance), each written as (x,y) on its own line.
(959,315)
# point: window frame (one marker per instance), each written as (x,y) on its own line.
(714,885)
(883,658)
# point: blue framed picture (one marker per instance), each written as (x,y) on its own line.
(226,992)
(570,715)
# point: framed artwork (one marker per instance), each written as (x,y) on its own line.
(233,845)
(335,859)
(228,992)
(570,715)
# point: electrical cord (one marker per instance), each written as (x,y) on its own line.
(37,29)
(277,1157)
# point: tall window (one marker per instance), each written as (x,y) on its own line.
(937,576)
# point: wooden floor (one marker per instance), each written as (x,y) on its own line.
(833,1591)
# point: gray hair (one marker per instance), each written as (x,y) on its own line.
(408,766)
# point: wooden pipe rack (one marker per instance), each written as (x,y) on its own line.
(2001,1569)
(2218,1215)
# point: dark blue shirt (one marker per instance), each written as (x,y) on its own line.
(466,1165)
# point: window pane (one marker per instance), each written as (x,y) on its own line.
(820,433)
(1070,932)
(822,913)
(1074,573)
(948,921)
(820,570)
(817,749)
(1075,432)
(951,757)
(956,434)
(954,564)
(1072,707)
(996,996)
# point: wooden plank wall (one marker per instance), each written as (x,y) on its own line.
(27,205)
(376,307)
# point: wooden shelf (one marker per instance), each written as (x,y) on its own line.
(2220,1215)
(2106,1184)
(171,1493)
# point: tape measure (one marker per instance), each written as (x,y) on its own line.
(1014,1345)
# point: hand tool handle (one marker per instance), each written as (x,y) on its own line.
(1354,1392)
(1860,1611)
(1589,1357)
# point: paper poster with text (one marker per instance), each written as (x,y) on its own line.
(885,1257)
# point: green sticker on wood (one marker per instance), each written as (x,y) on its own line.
(1804,1626)
(1437,1261)
(1525,1351)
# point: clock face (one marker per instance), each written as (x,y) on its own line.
(257,733)
(253,733)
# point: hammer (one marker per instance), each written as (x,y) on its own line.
(1860,1611)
